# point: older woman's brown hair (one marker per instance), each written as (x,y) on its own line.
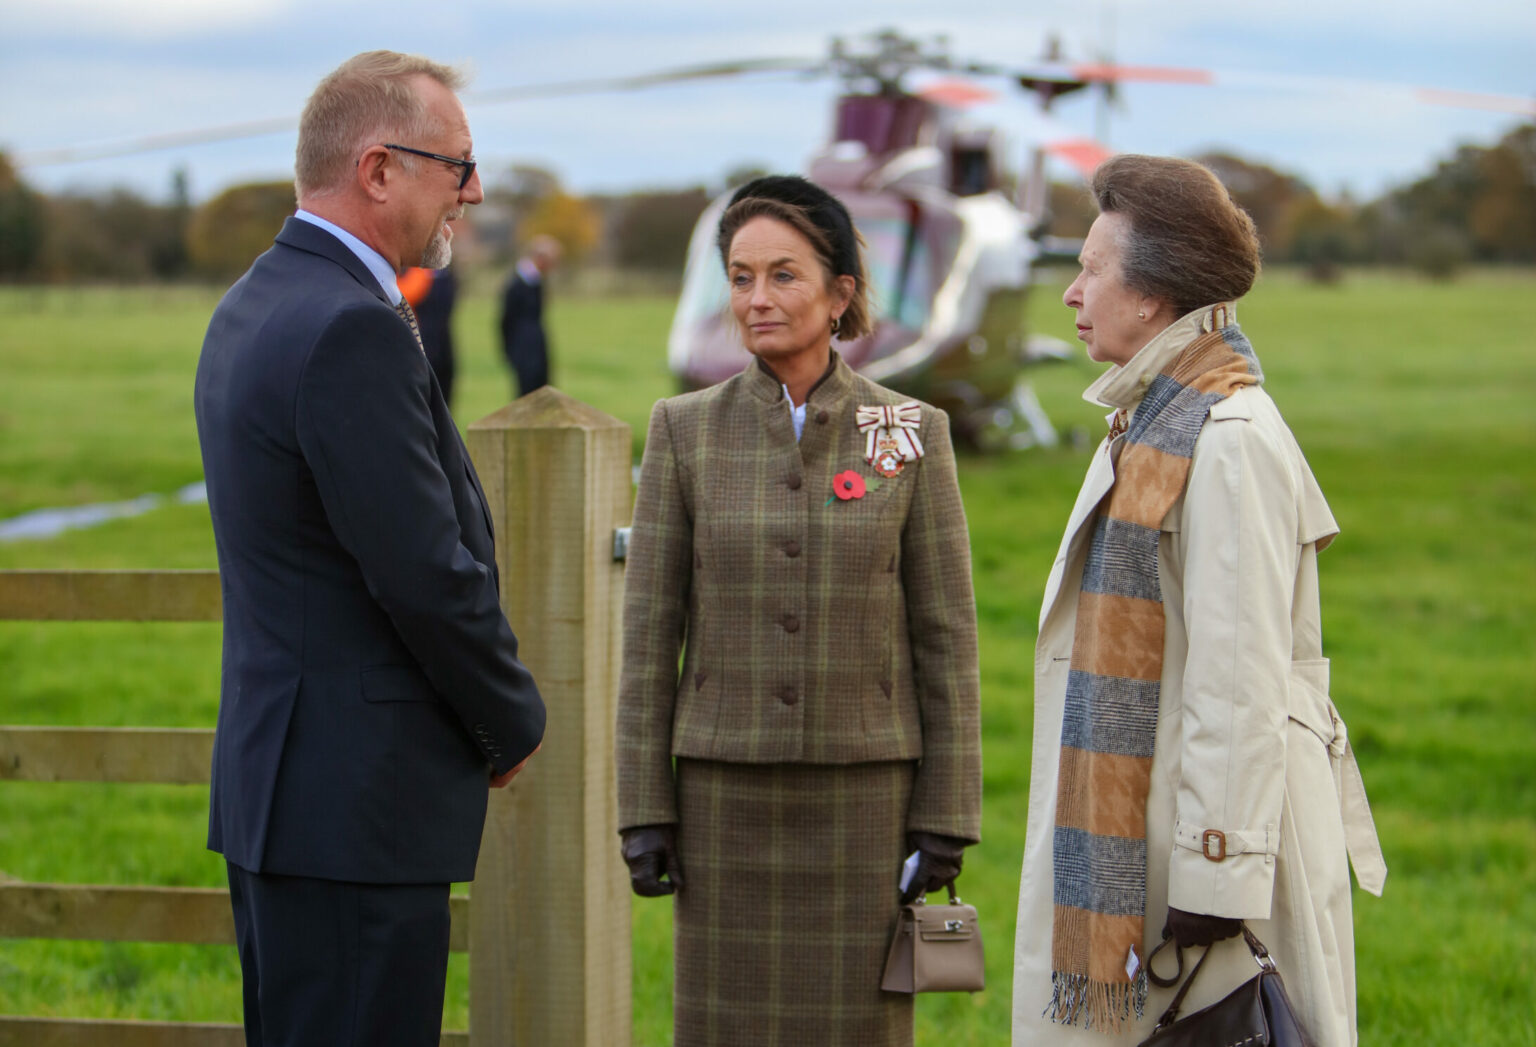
(1187,242)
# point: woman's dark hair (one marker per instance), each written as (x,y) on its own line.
(816,215)
(1188,242)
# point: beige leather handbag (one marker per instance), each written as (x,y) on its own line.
(936,948)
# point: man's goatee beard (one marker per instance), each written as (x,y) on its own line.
(438,253)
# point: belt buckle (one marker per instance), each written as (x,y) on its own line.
(1220,839)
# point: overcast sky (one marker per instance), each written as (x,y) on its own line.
(81,72)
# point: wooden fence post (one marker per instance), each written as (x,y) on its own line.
(549,908)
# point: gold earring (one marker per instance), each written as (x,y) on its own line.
(837,323)
(1141,314)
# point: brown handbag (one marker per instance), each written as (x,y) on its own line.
(936,948)
(1257,1013)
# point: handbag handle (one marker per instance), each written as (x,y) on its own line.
(1260,955)
(954,899)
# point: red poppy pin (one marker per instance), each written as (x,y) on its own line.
(848,485)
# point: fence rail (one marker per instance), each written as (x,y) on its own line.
(110,596)
(549,884)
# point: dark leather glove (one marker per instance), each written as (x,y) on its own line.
(938,863)
(650,851)
(1192,928)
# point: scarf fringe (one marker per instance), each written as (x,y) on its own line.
(1096,1006)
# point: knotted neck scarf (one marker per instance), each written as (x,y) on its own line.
(1100,843)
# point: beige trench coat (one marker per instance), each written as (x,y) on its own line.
(1248,741)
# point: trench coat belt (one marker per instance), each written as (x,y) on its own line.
(1359,827)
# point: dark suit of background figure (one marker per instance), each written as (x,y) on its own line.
(370,684)
(433,316)
(522,332)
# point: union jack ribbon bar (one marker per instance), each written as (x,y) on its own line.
(893,426)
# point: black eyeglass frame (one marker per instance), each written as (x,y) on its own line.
(468,165)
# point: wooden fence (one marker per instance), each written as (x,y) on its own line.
(547,921)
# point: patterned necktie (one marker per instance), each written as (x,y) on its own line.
(409,316)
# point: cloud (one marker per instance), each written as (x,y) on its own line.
(138,20)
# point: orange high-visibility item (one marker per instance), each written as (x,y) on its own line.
(414,284)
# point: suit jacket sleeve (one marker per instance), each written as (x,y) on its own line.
(365,426)
(656,588)
(941,623)
(1239,530)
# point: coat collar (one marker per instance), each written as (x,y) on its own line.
(1124,386)
(304,236)
(834,384)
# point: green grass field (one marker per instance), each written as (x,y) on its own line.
(1416,404)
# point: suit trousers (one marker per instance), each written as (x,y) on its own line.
(333,964)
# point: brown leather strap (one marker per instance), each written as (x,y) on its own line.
(1171,1015)
(1260,955)
(1178,951)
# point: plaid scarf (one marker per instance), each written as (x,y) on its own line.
(1107,734)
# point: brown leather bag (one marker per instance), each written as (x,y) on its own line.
(1257,1013)
(936,948)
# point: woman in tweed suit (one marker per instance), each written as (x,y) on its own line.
(815,578)
(1190,772)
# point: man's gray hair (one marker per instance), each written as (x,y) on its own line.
(367,101)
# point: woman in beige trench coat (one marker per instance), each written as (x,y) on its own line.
(1189,768)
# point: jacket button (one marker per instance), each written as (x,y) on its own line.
(791,624)
(821,417)
(787,694)
(794,483)
(791,548)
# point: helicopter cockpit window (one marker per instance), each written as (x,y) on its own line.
(706,296)
(900,271)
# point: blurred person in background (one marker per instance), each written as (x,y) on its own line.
(523,340)
(432,293)
(799,538)
(1190,772)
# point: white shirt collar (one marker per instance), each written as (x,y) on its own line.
(796,413)
(382,271)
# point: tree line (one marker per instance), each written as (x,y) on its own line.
(1477,205)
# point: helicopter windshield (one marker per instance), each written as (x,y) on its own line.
(900,271)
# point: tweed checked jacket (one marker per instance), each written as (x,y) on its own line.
(815,633)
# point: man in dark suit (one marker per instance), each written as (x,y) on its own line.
(371,691)
(523,341)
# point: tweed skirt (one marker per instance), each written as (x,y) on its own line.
(788,904)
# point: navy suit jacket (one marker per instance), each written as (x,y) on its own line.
(370,681)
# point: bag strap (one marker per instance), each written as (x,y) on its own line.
(1260,955)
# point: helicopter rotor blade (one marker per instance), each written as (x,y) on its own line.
(638,81)
(278,125)
(1066,74)
(953,92)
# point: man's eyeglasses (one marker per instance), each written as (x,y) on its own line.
(467,165)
